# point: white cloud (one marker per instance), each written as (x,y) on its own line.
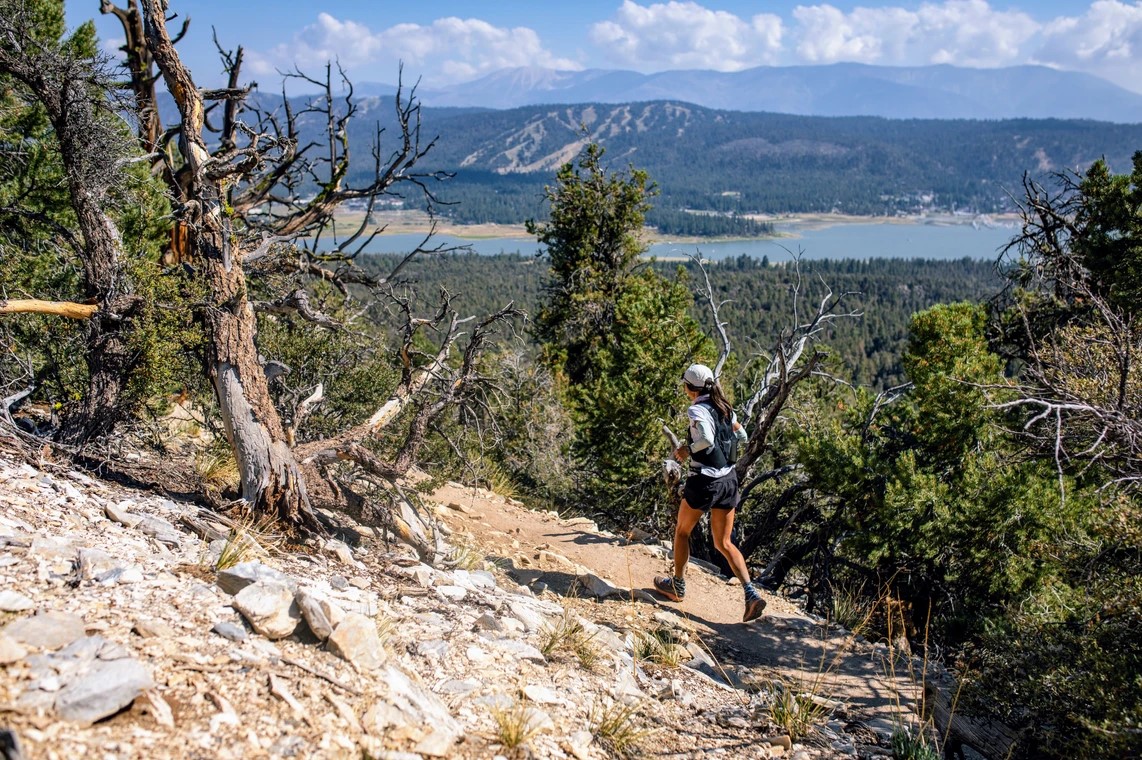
(825,34)
(1106,40)
(677,35)
(448,50)
(330,39)
(963,32)
(972,33)
(464,48)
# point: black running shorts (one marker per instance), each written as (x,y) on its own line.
(704,493)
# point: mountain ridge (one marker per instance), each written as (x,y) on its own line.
(939,91)
(746,163)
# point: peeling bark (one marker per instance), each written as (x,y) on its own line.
(272,483)
(63,85)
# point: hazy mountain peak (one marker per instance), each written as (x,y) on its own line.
(940,91)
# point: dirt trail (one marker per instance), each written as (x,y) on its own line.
(824,659)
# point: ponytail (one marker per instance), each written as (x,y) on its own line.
(717,398)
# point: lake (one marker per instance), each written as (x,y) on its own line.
(864,240)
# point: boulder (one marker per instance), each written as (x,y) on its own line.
(104,690)
(270,608)
(600,588)
(321,615)
(48,631)
(10,601)
(234,579)
(356,641)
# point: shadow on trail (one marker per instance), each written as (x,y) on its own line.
(783,644)
(809,655)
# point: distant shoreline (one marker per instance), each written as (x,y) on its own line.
(791,225)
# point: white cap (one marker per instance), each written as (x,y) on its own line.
(698,375)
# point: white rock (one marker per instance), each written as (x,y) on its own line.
(51,630)
(230,631)
(542,695)
(585,524)
(511,625)
(234,579)
(434,648)
(120,514)
(478,656)
(320,614)
(671,621)
(52,549)
(419,706)
(356,641)
(10,601)
(579,744)
(94,563)
(600,588)
(455,593)
(436,744)
(270,608)
(526,614)
(342,551)
(10,651)
(487,622)
(519,650)
(128,576)
(105,689)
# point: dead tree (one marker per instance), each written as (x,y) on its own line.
(794,357)
(271,480)
(142,78)
(244,211)
(72,90)
(430,385)
(153,138)
(1079,346)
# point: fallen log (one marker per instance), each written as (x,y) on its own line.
(990,738)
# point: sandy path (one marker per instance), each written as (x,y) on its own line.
(825,660)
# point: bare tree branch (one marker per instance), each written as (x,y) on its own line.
(56,308)
(714,305)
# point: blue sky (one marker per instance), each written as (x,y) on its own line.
(446,42)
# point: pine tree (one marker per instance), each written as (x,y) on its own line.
(615,333)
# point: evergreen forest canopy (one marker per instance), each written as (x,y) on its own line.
(714,167)
(758,296)
(947,450)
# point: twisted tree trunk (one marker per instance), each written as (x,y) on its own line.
(63,84)
(272,483)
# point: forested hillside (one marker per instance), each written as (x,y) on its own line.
(759,297)
(743,163)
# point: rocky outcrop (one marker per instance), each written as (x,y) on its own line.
(119,637)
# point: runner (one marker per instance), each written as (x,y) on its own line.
(712,485)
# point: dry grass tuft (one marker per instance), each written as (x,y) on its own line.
(569,635)
(614,726)
(795,710)
(516,725)
(658,646)
(465,557)
(250,538)
(217,467)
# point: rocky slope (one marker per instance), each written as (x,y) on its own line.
(119,638)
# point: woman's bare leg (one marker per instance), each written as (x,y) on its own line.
(688,517)
(721,528)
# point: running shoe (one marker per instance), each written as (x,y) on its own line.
(753,609)
(670,588)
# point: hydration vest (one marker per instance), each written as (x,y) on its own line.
(724,451)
